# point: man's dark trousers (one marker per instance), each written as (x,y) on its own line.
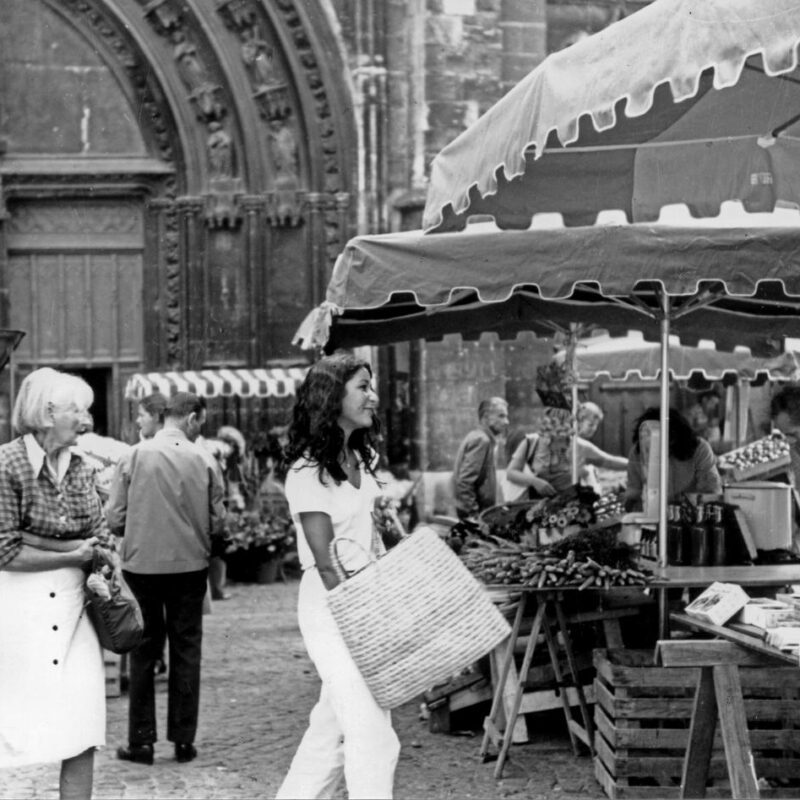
(173,602)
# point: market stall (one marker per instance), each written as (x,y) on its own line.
(709,114)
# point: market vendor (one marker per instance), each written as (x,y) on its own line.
(543,462)
(692,465)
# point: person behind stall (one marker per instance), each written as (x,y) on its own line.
(331,489)
(545,480)
(52,681)
(475,472)
(785,411)
(704,416)
(692,465)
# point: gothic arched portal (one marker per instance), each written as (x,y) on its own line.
(177,172)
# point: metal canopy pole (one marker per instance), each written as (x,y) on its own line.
(572,345)
(663,465)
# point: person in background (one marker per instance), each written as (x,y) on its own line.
(785,411)
(692,465)
(166,502)
(217,451)
(705,416)
(150,415)
(331,489)
(475,472)
(545,480)
(52,679)
(150,420)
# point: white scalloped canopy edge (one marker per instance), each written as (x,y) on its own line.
(542,85)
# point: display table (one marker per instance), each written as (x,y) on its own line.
(545,607)
(719,697)
(761,575)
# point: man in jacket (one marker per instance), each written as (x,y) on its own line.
(166,502)
(474,473)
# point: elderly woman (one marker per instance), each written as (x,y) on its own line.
(52,684)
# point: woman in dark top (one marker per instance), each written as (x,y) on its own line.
(692,464)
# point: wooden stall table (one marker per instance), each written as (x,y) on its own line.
(719,697)
(755,576)
(545,606)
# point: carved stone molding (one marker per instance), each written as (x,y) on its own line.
(170,249)
(222,208)
(95,219)
(285,208)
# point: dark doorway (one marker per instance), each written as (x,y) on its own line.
(99,378)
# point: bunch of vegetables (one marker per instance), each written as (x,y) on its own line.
(609,505)
(590,559)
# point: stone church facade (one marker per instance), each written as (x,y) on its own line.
(178,176)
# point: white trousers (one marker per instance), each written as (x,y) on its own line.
(348,733)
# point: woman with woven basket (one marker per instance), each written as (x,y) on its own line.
(52,681)
(331,490)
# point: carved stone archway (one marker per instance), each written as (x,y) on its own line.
(245,109)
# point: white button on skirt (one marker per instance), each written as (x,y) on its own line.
(52,680)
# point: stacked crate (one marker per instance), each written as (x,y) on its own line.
(642,718)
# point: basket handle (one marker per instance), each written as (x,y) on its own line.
(333,549)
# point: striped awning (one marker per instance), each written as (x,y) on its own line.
(274,382)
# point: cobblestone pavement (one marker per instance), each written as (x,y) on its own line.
(258,688)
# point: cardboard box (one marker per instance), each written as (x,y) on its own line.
(765,613)
(719,603)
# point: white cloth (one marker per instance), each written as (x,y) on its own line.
(37,457)
(350,510)
(348,733)
(52,679)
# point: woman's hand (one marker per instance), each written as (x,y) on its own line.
(543,487)
(84,553)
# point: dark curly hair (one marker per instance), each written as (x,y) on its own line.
(314,431)
(683,440)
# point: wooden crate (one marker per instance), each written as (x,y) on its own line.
(112,663)
(454,695)
(642,717)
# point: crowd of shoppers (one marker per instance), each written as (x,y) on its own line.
(165,508)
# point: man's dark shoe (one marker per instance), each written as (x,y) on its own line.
(139,753)
(185,751)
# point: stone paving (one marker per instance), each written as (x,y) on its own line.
(258,687)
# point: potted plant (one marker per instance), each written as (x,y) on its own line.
(257,542)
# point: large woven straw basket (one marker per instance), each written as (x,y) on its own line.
(414,617)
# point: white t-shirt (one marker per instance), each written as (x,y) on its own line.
(350,510)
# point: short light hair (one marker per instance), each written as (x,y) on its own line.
(487,406)
(155,405)
(588,407)
(42,388)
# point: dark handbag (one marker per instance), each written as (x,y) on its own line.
(117,619)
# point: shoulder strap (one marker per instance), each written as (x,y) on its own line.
(532,439)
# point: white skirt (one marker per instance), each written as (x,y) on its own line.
(52,678)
